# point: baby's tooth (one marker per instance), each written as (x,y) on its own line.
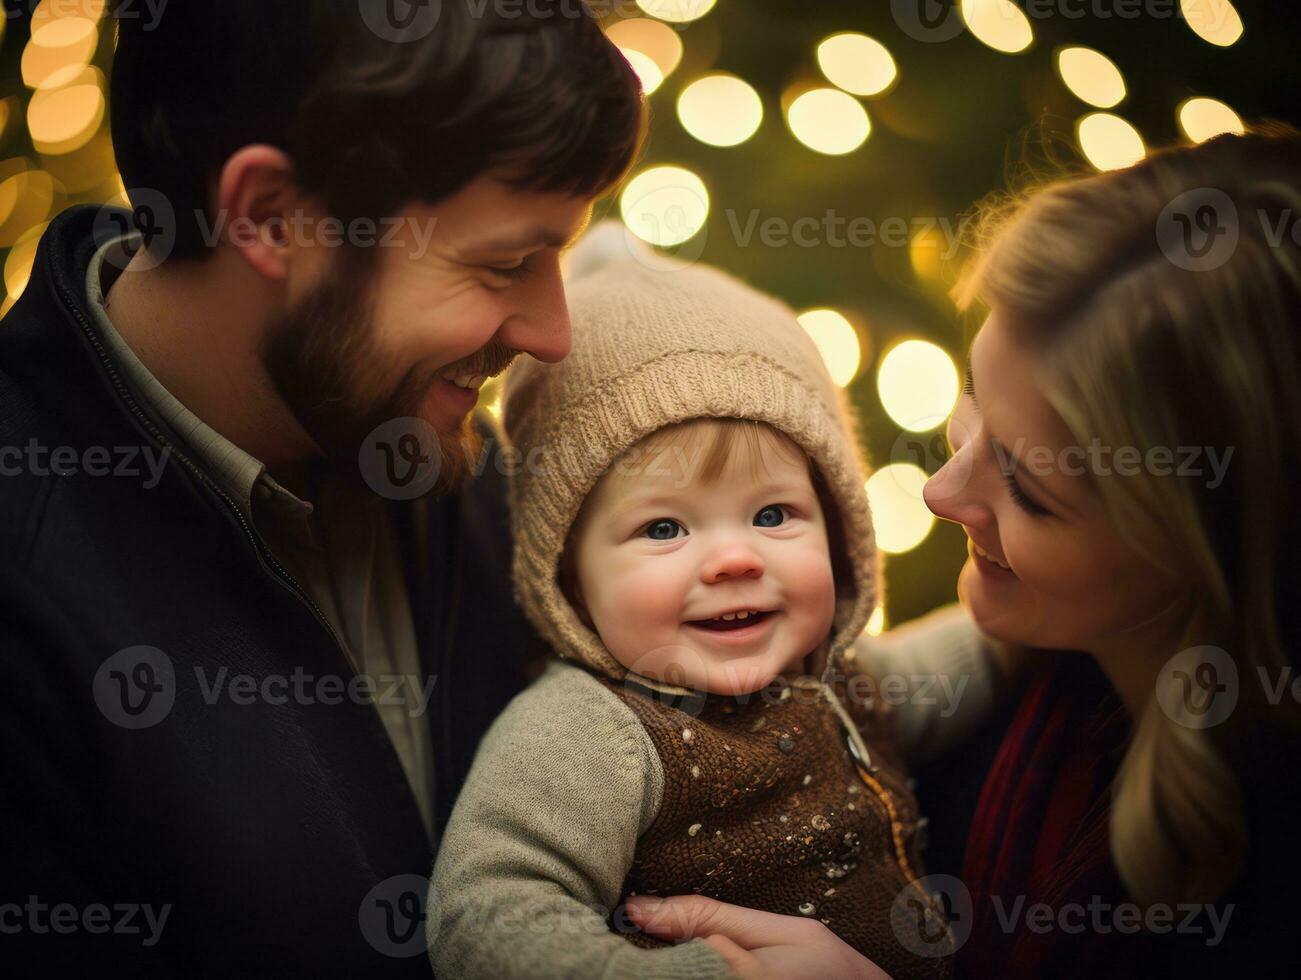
(728,617)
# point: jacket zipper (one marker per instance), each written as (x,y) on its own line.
(125,396)
(866,772)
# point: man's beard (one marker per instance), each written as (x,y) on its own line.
(323,358)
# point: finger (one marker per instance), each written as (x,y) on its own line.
(740,961)
(688,916)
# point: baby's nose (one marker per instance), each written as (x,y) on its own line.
(732,561)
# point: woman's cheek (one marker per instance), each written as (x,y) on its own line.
(1051,561)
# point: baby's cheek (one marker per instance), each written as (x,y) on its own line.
(809,582)
(653,590)
(640,601)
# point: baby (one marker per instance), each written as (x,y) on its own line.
(693,539)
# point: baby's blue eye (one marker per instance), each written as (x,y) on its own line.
(773,515)
(662,530)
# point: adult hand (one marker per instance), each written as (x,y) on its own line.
(756,945)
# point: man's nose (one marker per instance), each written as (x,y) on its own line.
(731,560)
(539,325)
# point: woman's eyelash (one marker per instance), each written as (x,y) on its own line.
(969,385)
(1019,496)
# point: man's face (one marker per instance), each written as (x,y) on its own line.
(453,292)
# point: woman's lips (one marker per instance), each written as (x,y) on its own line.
(987,564)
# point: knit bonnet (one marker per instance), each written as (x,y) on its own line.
(656,343)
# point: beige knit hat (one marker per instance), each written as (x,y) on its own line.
(656,344)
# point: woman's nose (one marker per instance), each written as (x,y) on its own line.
(729,561)
(953,495)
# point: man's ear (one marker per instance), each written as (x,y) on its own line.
(260,209)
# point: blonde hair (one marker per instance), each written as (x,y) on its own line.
(1141,345)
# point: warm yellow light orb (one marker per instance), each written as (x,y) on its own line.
(657,41)
(918,385)
(1091,75)
(677,11)
(58,43)
(1000,24)
(829,121)
(1109,142)
(1215,21)
(837,341)
(857,63)
(1201,118)
(64,119)
(899,514)
(647,70)
(720,109)
(665,205)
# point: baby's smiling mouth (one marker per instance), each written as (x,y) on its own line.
(732,620)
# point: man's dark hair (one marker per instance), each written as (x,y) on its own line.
(372,123)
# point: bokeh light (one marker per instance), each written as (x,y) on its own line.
(1000,24)
(1202,117)
(647,71)
(876,622)
(720,109)
(857,63)
(837,341)
(26,199)
(1091,76)
(1216,21)
(18,264)
(829,121)
(64,119)
(653,49)
(665,205)
(58,43)
(899,514)
(677,11)
(1109,142)
(918,384)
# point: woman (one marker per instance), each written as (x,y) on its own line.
(1123,458)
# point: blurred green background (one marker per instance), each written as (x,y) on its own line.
(828,151)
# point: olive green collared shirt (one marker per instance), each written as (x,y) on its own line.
(339,546)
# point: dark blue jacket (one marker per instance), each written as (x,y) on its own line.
(275,833)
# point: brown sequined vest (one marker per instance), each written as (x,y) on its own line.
(765,806)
